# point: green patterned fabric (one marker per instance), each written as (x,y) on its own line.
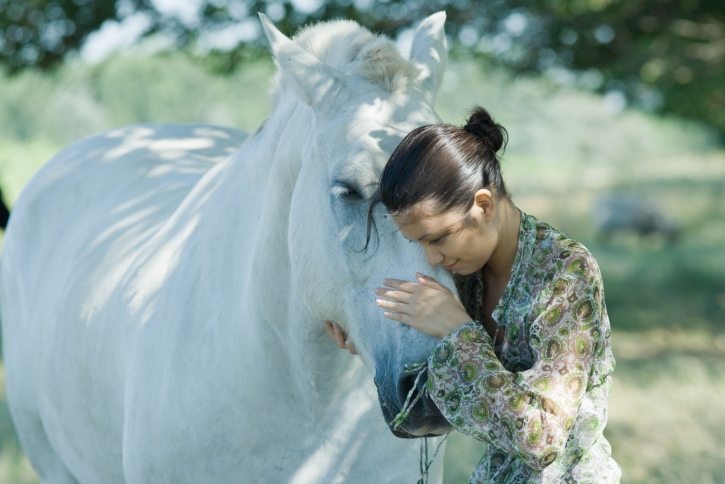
(540,398)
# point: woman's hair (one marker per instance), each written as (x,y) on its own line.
(443,164)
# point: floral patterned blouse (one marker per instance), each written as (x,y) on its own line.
(540,398)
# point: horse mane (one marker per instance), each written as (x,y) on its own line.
(348,46)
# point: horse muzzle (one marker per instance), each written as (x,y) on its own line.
(423,418)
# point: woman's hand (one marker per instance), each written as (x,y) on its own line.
(426,305)
(339,336)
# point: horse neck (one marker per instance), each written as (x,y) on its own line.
(276,328)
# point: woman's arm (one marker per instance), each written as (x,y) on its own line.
(530,413)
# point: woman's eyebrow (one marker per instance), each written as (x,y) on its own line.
(453,228)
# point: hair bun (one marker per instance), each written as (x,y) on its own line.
(482,125)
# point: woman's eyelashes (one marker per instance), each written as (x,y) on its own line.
(437,241)
(440,240)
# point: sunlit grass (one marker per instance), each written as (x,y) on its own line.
(667,407)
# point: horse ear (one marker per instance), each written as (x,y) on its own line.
(312,79)
(429,52)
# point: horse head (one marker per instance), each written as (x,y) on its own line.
(357,97)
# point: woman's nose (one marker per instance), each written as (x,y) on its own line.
(433,256)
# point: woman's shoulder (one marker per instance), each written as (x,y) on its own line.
(555,248)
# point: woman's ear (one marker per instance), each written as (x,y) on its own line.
(483,199)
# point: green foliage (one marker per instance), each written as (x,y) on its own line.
(664,55)
(40,33)
(77,100)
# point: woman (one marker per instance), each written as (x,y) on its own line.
(524,360)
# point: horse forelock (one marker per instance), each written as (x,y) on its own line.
(348,46)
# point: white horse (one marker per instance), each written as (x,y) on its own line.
(164,287)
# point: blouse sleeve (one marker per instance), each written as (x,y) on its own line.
(529,413)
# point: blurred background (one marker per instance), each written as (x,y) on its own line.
(616,116)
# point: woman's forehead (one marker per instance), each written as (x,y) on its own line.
(422,219)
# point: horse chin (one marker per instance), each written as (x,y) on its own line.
(421,432)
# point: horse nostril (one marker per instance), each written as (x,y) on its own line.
(404,386)
(414,414)
(406,383)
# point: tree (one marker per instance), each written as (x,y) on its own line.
(39,33)
(664,55)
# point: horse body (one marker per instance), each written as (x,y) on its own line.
(64,280)
(172,332)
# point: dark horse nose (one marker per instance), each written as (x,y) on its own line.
(424,417)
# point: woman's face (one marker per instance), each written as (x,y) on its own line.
(457,240)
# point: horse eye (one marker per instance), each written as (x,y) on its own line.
(346,191)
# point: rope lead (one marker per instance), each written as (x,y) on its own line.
(424,463)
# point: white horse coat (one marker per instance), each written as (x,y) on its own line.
(164,287)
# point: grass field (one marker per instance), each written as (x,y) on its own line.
(567,149)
